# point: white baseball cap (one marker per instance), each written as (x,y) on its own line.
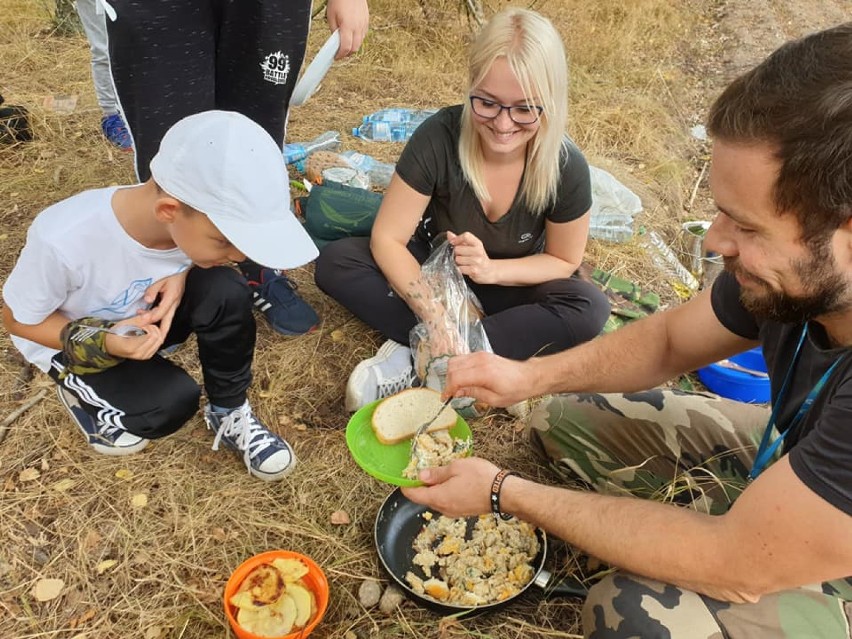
(228,167)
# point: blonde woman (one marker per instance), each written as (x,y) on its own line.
(497,175)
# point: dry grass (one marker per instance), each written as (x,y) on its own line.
(204,515)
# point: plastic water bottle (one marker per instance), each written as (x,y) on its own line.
(380,173)
(385,131)
(664,258)
(390,115)
(611,227)
(360,161)
(391,125)
(296,152)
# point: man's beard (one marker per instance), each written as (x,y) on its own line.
(825,289)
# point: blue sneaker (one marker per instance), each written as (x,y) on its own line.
(275,296)
(106,439)
(265,454)
(116,131)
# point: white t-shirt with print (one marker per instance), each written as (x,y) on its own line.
(80,261)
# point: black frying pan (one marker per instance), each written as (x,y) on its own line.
(399,521)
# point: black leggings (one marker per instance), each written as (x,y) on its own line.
(521,321)
(153,398)
(174,58)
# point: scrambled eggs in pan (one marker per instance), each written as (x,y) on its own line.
(487,564)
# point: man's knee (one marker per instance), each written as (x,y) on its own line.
(563,412)
(623,606)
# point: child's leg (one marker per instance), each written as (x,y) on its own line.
(162,56)
(216,307)
(260,50)
(523,321)
(150,399)
(95,27)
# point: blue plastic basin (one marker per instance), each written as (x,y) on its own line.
(736,384)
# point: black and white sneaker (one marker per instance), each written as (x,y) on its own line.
(106,439)
(266,455)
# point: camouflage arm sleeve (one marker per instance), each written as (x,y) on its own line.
(85,349)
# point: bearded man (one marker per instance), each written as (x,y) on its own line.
(763,547)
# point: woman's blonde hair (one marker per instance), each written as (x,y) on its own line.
(534,51)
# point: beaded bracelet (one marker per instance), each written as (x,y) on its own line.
(495,494)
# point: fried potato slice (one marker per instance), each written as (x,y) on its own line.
(284,611)
(290,569)
(304,599)
(273,620)
(244,601)
(248,617)
(262,586)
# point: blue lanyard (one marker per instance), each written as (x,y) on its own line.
(766,450)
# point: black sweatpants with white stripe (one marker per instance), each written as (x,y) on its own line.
(171,59)
(154,398)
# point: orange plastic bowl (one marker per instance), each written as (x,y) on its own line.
(315,580)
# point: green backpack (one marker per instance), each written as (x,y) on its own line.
(333,211)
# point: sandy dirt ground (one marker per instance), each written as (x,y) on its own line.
(759,26)
(737,35)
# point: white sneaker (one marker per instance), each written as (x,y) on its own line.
(389,371)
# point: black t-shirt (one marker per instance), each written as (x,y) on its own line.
(820,447)
(430,165)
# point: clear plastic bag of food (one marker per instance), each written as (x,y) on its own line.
(458,329)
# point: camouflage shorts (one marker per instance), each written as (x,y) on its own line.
(623,606)
(666,445)
(684,448)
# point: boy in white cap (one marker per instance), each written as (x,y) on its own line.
(151,259)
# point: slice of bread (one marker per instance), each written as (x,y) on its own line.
(399,416)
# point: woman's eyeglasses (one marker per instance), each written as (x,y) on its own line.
(489,109)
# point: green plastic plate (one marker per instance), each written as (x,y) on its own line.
(382,461)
